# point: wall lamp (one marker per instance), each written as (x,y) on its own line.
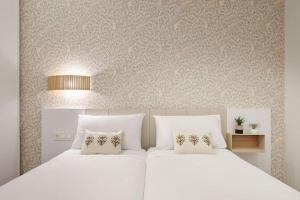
(69,82)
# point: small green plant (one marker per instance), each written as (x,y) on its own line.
(239,120)
(253,125)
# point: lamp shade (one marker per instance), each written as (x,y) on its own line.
(69,82)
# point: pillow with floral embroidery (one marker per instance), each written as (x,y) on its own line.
(102,143)
(191,142)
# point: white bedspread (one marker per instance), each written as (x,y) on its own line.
(222,176)
(71,176)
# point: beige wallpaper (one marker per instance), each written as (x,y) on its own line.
(153,53)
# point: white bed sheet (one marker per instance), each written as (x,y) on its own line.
(71,176)
(222,176)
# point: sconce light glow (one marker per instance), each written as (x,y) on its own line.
(69,82)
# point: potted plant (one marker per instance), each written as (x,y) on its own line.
(253,127)
(239,125)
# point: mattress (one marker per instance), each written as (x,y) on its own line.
(222,176)
(71,176)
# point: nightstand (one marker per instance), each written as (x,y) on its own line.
(246,143)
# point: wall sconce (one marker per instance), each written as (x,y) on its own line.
(69,82)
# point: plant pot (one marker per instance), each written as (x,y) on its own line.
(239,129)
(253,131)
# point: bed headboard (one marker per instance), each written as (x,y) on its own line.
(148,129)
(59,125)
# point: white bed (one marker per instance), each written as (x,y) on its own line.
(225,176)
(71,176)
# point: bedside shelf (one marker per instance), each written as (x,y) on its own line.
(246,143)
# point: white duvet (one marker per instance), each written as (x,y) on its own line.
(222,176)
(71,176)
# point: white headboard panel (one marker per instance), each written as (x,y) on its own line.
(148,129)
(59,125)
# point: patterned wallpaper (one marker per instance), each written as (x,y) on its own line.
(153,53)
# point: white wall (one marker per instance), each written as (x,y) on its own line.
(292,91)
(9,90)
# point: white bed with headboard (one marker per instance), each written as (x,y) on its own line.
(59,125)
(220,176)
(156,175)
(72,175)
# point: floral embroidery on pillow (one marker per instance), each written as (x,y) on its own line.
(206,140)
(194,139)
(102,139)
(192,142)
(180,139)
(115,140)
(89,140)
(102,143)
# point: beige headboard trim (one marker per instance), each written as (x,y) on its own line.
(148,129)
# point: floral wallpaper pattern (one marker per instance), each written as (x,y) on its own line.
(153,53)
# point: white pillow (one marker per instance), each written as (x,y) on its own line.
(130,125)
(165,125)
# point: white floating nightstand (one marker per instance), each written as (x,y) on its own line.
(246,143)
